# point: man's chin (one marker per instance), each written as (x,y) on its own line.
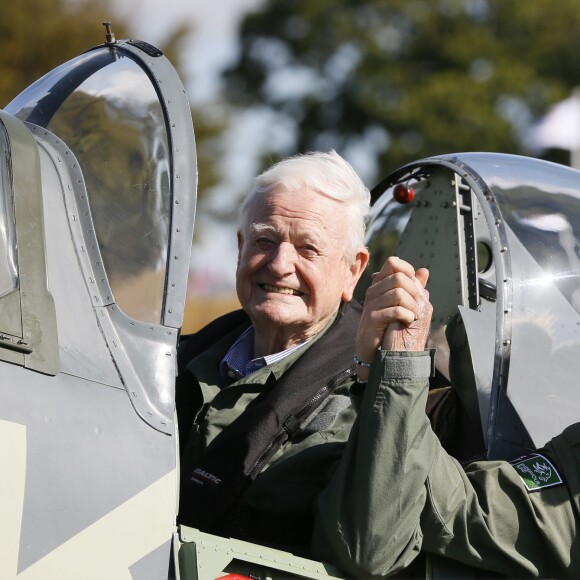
(275,315)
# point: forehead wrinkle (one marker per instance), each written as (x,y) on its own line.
(308,234)
(276,205)
(313,223)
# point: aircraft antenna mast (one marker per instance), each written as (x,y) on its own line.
(109,36)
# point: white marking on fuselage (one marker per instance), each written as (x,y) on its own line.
(12,479)
(107,548)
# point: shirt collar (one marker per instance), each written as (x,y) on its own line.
(238,361)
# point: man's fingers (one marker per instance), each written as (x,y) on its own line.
(422,274)
(392,290)
(397,310)
(392,265)
(397,294)
(394,298)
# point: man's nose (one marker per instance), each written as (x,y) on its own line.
(283,259)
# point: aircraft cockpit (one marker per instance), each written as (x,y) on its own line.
(97,204)
(501,237)
(107,106)
(114,130)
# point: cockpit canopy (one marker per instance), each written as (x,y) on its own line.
(108,110)
(97,204)
(501,236)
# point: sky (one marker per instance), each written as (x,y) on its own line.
(212,46)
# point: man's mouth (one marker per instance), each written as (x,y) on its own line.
(281,290)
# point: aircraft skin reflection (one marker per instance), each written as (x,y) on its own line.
(89,485)
(91,304)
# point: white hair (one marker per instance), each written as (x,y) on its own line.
(325,173)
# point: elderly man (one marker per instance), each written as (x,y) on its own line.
(263,400)
(268,386)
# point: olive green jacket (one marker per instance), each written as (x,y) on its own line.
(397,491)
(291,480)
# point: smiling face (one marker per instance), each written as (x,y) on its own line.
(292,270)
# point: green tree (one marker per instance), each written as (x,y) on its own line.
(38,35)
(396,80)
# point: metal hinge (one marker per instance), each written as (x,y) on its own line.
(14,343)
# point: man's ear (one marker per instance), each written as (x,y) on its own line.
(356,269)
(240,244)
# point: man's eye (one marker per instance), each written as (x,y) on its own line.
(264,243)
(309,250)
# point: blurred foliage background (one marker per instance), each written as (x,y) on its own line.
(383,82)
(38,35)
(397,80)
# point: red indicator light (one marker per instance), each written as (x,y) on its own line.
(403,194)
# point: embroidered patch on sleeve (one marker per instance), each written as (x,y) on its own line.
(537,472)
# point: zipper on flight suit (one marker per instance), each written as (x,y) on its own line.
(291,424)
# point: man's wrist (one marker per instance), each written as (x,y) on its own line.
(414,364)
(361,363)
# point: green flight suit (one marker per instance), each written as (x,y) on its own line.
(397,491)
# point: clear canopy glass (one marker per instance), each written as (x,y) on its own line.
(104,106)
(8,266)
